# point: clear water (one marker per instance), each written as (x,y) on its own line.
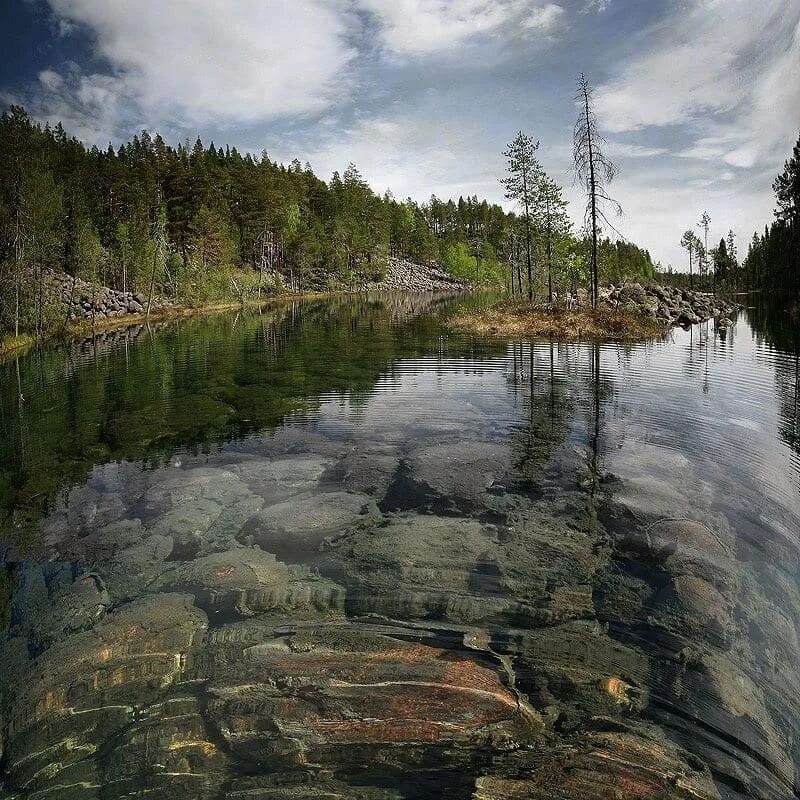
(335,550)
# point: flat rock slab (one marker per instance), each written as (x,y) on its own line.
(360,688)
(201,509)
(279,478)
(250,581)
(303,522)
(416,566)
(459,469)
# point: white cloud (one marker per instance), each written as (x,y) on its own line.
(728,68)
(50,79)
(625,149)
(413,154)
(65,28)
(420,27)
(596,5)
(239,61)
(545,18)
(88,106)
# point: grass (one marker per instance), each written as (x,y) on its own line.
(81,328)
(15,344)
(513,318)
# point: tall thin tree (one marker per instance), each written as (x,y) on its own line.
(687,243)
(594,171)
(704,225)
(555,222)
(521,184)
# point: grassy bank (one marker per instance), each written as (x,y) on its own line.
(10,345)
(511,319)
(82,328)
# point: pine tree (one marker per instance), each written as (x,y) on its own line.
(556,223)
(787,189)
(522,182)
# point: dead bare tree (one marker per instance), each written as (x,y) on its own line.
(594,171)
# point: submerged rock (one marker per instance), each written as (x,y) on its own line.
(599,765)
(249,581)
(67,722)
(202,510)
(277,479)
(343,689)
(302,523)
(460,470)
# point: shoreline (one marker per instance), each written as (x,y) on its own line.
(73,330)
(77,329)
(628,313)
(503,321)
(401,276)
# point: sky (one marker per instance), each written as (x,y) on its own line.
(699,100)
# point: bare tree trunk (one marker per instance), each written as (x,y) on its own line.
(17,269)
(527,235)
(153,276)
(593,190)
(549,254)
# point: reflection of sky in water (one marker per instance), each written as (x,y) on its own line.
(690,425)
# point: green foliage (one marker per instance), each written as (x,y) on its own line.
(210,242)
(458,261)
(773,260)
(95,214)
(621,262)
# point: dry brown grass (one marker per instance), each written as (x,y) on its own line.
(511,319)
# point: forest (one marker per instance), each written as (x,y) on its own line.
(771,265)
(199,223)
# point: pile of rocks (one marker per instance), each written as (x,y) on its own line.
(410,277)
(90,301)
(668,305)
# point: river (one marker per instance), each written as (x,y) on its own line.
(337,550)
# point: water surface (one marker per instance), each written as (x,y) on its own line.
(334,550)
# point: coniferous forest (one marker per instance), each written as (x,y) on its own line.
(771,264)
(199,223)
(773,260)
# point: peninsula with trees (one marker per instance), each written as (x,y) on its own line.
(95,237)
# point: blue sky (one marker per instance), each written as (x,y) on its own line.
(699,99)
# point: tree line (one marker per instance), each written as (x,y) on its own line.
(566,262)
(772,262)
(197,222)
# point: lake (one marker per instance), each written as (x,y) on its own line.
(336,550)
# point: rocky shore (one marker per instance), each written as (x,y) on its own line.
(667,305)
(406,276)
(626,313)
(92,302)
(89,301)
